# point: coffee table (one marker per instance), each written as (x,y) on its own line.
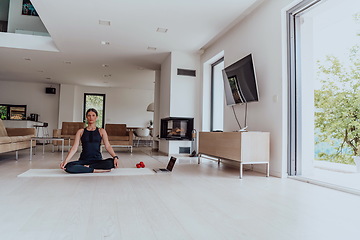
(49,139)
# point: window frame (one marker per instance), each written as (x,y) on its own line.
(293,61)
(220,60)
(85,109)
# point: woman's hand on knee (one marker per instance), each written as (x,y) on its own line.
(116,162)
(62,165)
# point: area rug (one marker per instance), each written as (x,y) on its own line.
(61,173)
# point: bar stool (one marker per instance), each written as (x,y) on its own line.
(44,130)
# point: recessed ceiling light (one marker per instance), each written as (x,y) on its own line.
(151,48)
(104,22)
(162,30)
(27,59)
(105,65)
(105,43)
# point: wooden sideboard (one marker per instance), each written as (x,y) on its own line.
(244,147)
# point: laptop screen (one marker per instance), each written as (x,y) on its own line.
(171,164)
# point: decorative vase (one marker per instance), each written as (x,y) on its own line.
(357,163)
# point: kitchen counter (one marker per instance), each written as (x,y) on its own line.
(20,123)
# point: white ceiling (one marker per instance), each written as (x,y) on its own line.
(75,30)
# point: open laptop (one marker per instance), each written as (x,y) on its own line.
(169,167)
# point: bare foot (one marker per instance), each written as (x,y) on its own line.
(101,170)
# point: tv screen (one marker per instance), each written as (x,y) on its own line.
(240,82)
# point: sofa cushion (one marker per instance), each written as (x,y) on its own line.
(7,147)
(70,128)
(23,144)
(116,130)
(119,138)
(3,132)
(15,139)
(20,138)
(4,140)
(27,137)
(20,131)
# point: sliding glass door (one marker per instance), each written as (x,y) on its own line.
(324,66)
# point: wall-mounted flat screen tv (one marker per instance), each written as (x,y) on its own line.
(240,82)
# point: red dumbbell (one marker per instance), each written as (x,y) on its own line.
(140,165)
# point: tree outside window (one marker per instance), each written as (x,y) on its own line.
(337,104)
(97,101)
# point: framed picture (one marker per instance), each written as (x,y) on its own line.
(28,8)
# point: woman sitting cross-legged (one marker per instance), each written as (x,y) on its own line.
(90,160)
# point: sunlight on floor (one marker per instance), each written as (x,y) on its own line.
(341,175)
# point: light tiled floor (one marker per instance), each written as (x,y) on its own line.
(200,202)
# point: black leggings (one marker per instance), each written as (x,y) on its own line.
(78,166)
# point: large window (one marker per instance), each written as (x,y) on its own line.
(217,96)
(97,101)
(324,89)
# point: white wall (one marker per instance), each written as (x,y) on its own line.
(179,95)
(260,33)
(165,89)
(184,89)
(67,104)
(185,99)
(33,95)
(23,22)
(121,105)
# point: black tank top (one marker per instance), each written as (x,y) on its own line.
(91,141)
